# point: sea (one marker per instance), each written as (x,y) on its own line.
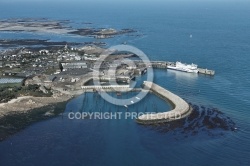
(212,34)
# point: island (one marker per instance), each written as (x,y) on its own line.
(39,77)
(44,25)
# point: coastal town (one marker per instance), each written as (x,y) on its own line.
(36,84)
(67,68)
(127,83)
(57,72)
(38,77)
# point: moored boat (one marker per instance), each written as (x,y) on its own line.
(189,68)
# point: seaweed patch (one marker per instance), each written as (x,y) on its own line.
(210,121)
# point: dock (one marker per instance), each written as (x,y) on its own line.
(206,71)
(165,64)
(110,89)
(181,108)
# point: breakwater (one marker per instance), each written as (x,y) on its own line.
(181,108)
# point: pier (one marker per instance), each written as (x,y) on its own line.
(181,107)
(165,64)
(206,71)
(106,87)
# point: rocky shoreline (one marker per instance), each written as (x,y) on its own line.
(58,27)
(202,120)
(19,113)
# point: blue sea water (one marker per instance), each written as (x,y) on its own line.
(220,41)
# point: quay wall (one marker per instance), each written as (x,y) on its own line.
(181,108)
(105,87)
(206,71)
(165,64)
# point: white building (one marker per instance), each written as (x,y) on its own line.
(74,65)
(78,58)
(43,51)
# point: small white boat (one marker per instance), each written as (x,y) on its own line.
(126,106)
(137,98)
(132,102)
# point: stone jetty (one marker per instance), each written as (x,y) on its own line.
(181,108)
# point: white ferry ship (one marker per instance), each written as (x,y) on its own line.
(190,68)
